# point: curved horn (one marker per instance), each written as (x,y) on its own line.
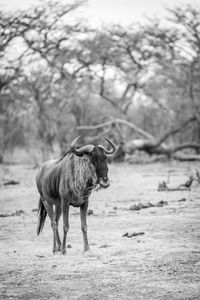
(114,147)
(82,150)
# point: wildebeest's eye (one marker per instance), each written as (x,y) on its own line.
(92,157)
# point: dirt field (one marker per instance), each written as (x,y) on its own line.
(162,263)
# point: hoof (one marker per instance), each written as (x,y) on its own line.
(63,252)
(88,253)
(86,249)
(91,254)
(55,250)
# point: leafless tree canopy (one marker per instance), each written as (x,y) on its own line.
(139,85)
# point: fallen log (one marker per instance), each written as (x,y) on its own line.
(163,187)
(11,182)
(150,144)
(147,205)
(132,234)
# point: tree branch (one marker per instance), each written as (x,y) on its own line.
(173,131)
(195,146)
(118,121)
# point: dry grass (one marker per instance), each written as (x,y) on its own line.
(163,263)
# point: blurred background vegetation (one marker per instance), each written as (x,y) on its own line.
(60,77)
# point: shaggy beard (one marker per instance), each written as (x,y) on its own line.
(97,187)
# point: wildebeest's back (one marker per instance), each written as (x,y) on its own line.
(48,179)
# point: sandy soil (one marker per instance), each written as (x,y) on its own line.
(163,263)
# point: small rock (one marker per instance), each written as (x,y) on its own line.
(90,212)
(54,266)
(182,200)
(104,246)
(18,213)
(140,206)
(161,203)
(40,256)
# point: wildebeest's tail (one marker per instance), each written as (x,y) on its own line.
(41,216)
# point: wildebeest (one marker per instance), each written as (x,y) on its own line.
(69,180)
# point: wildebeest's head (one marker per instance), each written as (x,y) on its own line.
(98,157)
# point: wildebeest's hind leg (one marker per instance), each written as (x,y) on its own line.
(49,208)
(83,214)
(57,217)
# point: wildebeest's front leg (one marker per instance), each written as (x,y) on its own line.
(57,217)
(83,214)
(65,210)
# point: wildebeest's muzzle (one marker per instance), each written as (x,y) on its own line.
(103,182)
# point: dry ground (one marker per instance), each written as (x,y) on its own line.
(164,263)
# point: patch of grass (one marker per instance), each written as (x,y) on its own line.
(17,213)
